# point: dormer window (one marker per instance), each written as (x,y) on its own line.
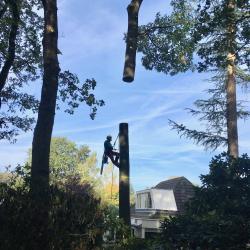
(143,200)
(160,199)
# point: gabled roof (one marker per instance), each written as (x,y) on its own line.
(183,190)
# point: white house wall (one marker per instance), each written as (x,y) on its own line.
(141,226)
(163,199)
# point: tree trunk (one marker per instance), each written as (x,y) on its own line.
(45,121)
(131,41)
(232,131)
(46,113)
(124,187)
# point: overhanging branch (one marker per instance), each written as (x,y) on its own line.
(3,10)
(12,43)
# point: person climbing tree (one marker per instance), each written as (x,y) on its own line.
(110,152)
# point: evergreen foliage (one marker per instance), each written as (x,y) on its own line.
(211,113)
(217,217)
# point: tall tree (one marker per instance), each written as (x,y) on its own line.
(216,33)
(71,91)
(232,130)
(46,114)
(45,121)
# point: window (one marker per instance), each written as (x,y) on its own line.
(144,200)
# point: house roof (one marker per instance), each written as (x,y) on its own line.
(183,190)
(171,183)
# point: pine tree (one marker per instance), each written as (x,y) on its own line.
(211,112)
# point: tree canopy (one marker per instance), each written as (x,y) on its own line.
(21,32)
(195,36)
(202,36)
(20,63)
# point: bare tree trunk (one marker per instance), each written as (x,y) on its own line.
(45,121)
(132,36)
(232,131)
(124,187)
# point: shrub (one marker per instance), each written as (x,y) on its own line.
(75,216)
(218,216)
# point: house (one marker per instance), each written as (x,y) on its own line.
(152,205)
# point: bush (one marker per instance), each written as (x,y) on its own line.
(75,216)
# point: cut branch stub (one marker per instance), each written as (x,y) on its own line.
(131,40)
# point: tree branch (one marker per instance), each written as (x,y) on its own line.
(243,18)
(147,31)
(3,10)
(207,140)
(12,43)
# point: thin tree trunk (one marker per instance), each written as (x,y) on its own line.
(14,9)
(131,41)
(232,131)
(45,121)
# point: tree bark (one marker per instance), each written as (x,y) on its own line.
(14,9)
(45,121)
(131,41)
(46,113)
(232,131)
(124,187)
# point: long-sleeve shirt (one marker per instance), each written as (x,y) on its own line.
(107,146)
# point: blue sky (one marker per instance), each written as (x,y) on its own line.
(91,40)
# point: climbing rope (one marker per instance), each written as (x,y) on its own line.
(112,183)
(112,176)
(115,140)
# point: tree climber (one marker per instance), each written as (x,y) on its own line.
(110,151)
